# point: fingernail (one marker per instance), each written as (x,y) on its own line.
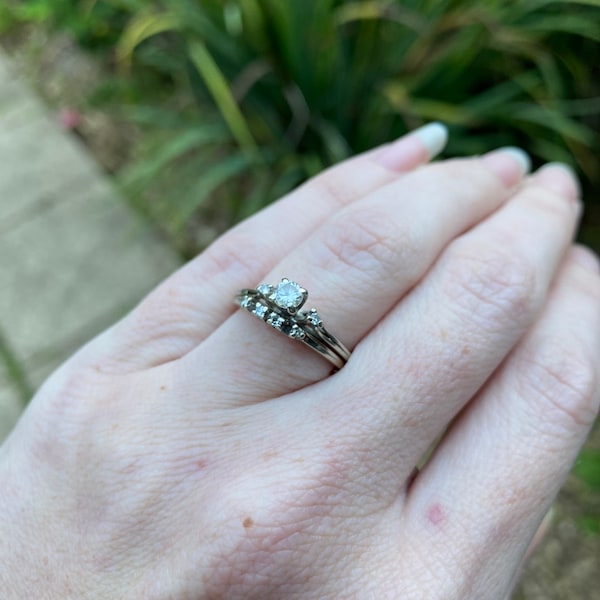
(561,179)
(433,136)
(417,147)
(586,258)
(510,164)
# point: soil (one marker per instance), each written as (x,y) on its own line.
(566,564)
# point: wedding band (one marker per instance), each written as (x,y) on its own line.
(279,306)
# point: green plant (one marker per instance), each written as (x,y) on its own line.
(587,470)
(280,90)
(257,95)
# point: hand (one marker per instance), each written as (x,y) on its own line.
(192,452)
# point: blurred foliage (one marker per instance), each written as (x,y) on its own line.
(587,470)
(241,100)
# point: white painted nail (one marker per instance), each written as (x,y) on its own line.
(434,137)
(519,155)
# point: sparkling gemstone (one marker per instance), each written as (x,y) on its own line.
(246,302)
(293,330)
(260,310)
(264,289)
(288,294)
(296,332)
(314,317)
(275,320)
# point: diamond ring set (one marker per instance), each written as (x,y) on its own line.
(280,307)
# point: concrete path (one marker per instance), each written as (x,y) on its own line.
(73,256)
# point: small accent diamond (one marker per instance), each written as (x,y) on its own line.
(246,302)
(314,318)
(296,333)
(264,289)
(260,310)
(275,320)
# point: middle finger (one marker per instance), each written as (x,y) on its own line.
(452,332)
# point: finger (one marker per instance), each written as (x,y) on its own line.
(359,263)
(431,354)
(538,538)
(191,303)
(493,477)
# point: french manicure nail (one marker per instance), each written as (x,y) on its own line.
(510,164)
(417,147)
(434,136)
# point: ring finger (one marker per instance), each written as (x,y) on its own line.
(360,262)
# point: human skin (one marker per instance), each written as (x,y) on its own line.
(192,452)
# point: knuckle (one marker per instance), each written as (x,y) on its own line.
(331,187)
(364,241)
(551,203)
(490,286)
(236,252)
(563,380)
(456,178)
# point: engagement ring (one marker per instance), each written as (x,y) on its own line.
(279,306)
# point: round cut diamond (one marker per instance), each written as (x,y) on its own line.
(314,318)
(275,320)
(296,333)
(260,310)
(264,289)
(289,294)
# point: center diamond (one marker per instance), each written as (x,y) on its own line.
(289,294)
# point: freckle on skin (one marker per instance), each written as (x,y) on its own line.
(163,388)
(466,350)
(248,522)
(436,515)
(270,454)
(200,465)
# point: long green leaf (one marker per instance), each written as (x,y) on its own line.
(142,27)
(219,88)
(214,176)
(187,141)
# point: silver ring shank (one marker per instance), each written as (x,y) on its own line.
(303,327)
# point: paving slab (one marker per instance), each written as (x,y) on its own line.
(73,255)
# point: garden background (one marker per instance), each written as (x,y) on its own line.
(203,111)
